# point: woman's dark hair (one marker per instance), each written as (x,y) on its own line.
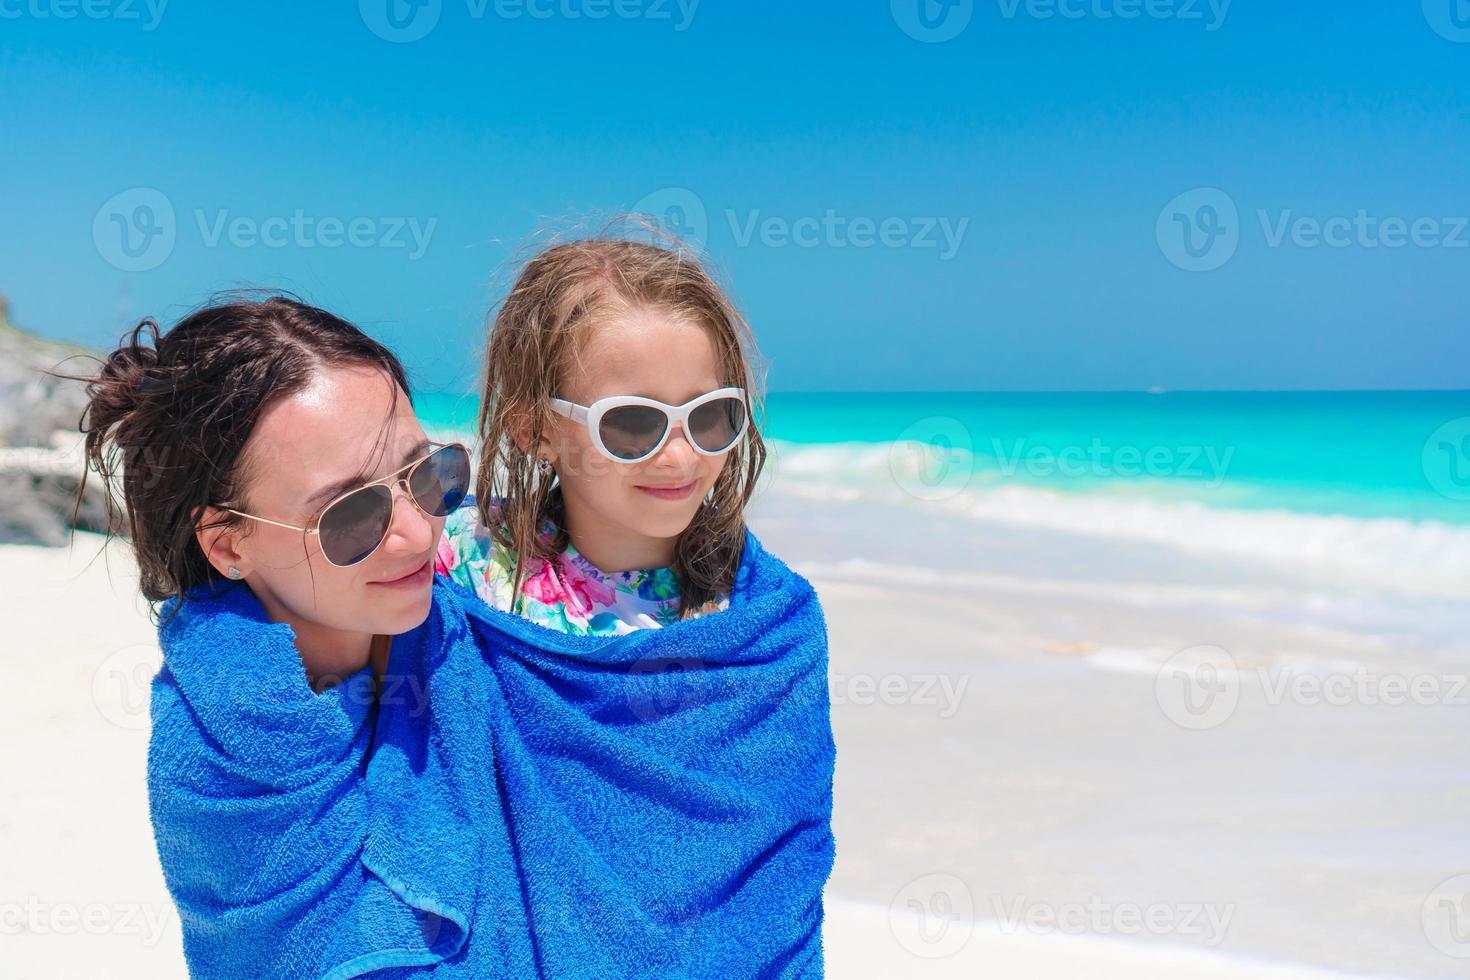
(169,414)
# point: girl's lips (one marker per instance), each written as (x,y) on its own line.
(413,580)
(670,493)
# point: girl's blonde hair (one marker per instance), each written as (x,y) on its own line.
(537,335)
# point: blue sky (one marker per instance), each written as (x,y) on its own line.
(1005,209)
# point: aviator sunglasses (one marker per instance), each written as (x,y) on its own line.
(354,524)
(630,428)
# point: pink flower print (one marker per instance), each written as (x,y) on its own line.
(589,589)
(445,557)
(543,585)
(562,583)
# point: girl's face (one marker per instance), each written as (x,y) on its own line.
(628,515)
(350,426)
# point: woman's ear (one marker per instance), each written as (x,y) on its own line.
(220,542)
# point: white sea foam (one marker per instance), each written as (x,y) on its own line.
(1426,557)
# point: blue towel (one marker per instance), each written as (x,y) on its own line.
(668,792)
(527,803)
(283,860)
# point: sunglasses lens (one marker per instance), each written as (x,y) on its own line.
(441,482)
(714,426)
(631,431)
(355,525)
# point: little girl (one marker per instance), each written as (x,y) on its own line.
(616,446)
(655,681)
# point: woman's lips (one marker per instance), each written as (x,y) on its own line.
(670,493)
(417,578)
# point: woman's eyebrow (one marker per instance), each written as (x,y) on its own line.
(325,494)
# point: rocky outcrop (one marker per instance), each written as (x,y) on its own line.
(41,460)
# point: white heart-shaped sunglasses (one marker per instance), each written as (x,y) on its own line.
(630,428)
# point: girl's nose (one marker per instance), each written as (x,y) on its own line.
(677,448)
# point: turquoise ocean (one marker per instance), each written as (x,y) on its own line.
(1368,490)
(1356,454)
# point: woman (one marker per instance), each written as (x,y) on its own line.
(284,507)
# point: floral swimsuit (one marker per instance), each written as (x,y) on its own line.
(567,593)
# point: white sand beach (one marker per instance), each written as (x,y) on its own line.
(1011,801)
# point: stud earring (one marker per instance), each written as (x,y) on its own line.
(543,466)
(234,573)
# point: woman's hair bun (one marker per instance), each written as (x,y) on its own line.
(120,384)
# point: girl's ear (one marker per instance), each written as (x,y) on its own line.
(520,435)
(219,542)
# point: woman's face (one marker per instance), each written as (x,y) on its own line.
(640,352)
(349,426)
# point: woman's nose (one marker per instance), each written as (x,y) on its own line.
(409,526)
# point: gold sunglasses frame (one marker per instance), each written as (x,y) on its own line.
(399,477)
